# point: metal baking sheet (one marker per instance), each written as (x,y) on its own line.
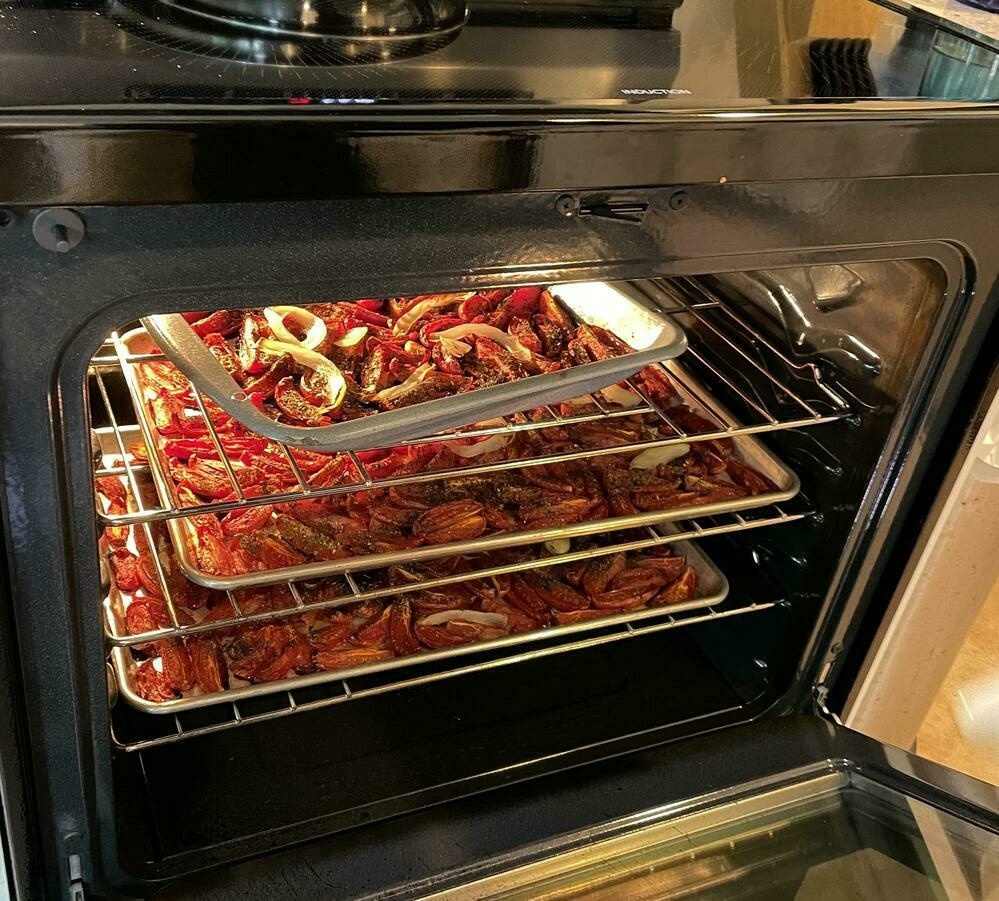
(710,580)
(749,449)
(653,337)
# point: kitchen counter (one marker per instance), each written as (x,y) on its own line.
(975,23)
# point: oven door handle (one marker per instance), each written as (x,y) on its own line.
(185,349)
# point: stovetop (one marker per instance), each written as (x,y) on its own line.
(79,55)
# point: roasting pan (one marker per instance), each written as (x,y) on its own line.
(711,582)
(654,337)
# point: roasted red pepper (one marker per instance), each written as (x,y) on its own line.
(112,488)
(401,629)
(363,315)
(208,663)
(477,305)
(375,374)
(521,304)
(164,377)
(153,685)
(226,356)
(247,519)
(214,557)
(126,569)
(264,385)
(253,329)
(438,325)
(183,448)
(291,402)
(522,331)
(221,322)
(168,413)
(203,481)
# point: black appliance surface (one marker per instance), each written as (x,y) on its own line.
(80,55)
(448,165)
(414,856)
(257,790)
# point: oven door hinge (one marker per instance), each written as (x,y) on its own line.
(76,892)
(820,696)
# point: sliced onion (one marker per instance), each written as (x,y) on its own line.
(310,359)
(454,348)
(415,377)
(497,620)
(615,394)
(354,337)
(656,456)
(485,446)
(314,327)
(558,546)
(406,574)
(485,331)
(336,385)
(404,324)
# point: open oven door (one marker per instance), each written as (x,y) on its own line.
(793,807)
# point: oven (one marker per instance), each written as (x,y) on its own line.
(665,587)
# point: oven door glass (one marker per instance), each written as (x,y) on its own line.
(846,833)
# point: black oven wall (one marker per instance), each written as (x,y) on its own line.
(137,260)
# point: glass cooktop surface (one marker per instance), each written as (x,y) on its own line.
(81,54)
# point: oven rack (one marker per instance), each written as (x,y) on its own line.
(351,592)
(797,395)
(139,731)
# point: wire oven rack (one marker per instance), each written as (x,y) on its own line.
(772,391)
(797,395)
(350,591)
(138,731)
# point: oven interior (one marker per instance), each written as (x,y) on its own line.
(821,364)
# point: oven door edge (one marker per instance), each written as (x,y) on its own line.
(475,838)
(946,583)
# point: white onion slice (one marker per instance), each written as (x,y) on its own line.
(302,355)
(615,394)
(404,324)
(656,456)
(454,348)
(485,446)
(558,546)
(336,385)
(497,620)
(315,328)
(391,393)
(485,331)
(353,337)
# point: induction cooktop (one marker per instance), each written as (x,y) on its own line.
(83,55)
